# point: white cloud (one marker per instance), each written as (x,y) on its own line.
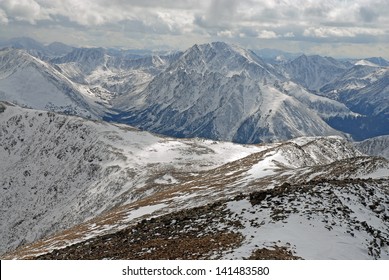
(226,33)
(3,17)
(289,35)
(24,10)
(169,22)
(326,32)
(266,34)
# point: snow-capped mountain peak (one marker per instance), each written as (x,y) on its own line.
(223,58)
(366,63)
(224,92)
(313,71)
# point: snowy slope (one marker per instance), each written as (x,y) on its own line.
(376,146)
(324,107)
(372,61)
(57,165)
(81,83)
(30,82)
(363,89)
(355,78)
(314,71)
(373,99)
(317,221)
(378,61)
(90,178)
(111,74)
(366,63)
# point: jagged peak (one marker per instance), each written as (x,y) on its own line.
(224,49)
(227,59)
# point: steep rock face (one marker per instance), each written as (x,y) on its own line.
(224,92)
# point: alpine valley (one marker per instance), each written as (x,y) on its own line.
(216,152)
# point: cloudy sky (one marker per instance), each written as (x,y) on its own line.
(344,28)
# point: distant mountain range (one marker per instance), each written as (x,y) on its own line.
(216,91)
(37,49)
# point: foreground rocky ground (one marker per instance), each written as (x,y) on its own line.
(332,219)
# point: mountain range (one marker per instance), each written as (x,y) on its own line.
(37,49)
(215,152)
(216,91)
